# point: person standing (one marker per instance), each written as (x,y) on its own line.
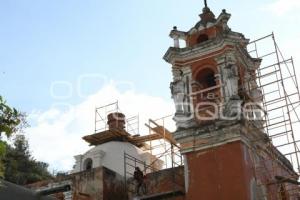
(139,179)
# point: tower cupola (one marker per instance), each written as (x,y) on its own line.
(211,74)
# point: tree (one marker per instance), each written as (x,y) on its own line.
(16,162)
(2,154)
(11,121)
(20,167)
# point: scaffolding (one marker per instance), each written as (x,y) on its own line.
(277,81)
(278,100)
(165,156)
(101,113)
(162,149)
(272,112)
(166,148)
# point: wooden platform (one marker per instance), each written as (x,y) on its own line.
(122,135)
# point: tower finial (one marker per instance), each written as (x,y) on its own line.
(205,3)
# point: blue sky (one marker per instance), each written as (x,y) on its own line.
(43,42)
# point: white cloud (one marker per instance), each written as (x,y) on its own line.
(281,7)
(56,134)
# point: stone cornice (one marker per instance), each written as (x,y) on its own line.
(224,132)
(247,60)
(219,133)
(204,49)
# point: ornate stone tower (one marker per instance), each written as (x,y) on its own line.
(218,112)
(212,73)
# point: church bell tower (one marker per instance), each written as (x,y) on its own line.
(212,75)
(218,110)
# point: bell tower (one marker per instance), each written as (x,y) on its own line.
(211,75)
(218,110)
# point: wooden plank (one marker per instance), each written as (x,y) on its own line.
(115,134)
(105,136)
(164,132)
(146,138)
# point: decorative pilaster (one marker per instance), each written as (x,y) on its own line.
(98,157)
(78,163)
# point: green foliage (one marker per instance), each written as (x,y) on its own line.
(16,162)
(2,154)
(10,119)
(20,167)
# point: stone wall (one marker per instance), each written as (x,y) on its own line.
(163,184)
(95,184)
(113,186)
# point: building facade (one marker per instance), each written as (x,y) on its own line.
(220,132)
(219,117)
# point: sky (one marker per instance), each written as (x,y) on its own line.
(59,59)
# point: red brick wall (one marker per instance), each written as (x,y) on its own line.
(227,172)
(220,173)
(210,32)
(269,167)
(162,182)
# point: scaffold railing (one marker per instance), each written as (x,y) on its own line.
(164,151)
(101,113)
(277,81)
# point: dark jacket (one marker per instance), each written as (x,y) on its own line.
(138,175)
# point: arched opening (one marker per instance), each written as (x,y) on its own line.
(206,79)
(202,38)
(88,164)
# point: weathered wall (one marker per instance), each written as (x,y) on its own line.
(222,172)
(96,184)
(162,182)
(268,165)
(113,186)
(165,180)
(88,182)
(233,171)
